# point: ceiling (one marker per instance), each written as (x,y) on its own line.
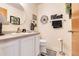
(20,6)
(16,5)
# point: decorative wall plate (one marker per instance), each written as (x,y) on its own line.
(44,19)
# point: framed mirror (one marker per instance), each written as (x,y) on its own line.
(3,12)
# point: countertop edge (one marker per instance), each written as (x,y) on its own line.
(15,38)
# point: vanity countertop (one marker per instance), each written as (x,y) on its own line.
(17,35)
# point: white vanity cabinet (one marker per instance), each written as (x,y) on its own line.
(27,46)
(30,46)
(37,45)
(10,48)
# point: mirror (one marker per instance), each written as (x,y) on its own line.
(3,12)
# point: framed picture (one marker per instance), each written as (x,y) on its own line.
(34,17)
(14,20)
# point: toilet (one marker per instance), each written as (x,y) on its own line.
(43,46)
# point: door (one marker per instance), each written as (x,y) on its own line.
(75,29)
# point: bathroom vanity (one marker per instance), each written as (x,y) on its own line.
(20,44)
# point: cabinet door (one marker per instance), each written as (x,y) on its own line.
(37,45)
(2,51)
(10,48)
(27,46)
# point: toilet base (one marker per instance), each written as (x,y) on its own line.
(60,53)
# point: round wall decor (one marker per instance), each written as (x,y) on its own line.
(44,19)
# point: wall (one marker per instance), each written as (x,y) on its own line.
(25,16)
(30,9)
(49,33)
(12,11)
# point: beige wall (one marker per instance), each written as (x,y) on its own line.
(25,16)
(49,33)
(30,9)
(12,11)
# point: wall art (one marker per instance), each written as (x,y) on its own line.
(34,17)
(56,16)
(57,24)
(33,24)
(44,19)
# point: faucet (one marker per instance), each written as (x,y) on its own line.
(18,30)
